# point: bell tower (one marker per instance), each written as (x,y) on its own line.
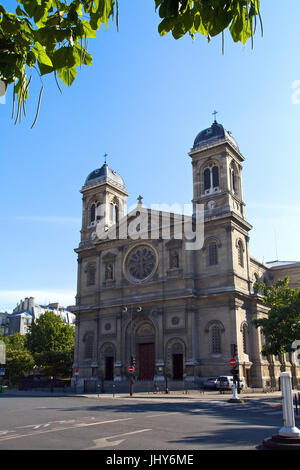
(217,172)
(217,184)
(104,201)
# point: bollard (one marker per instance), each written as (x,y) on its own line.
(289,429)
(235,398)
(288,437)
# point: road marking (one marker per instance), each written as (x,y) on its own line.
(102,442)
(6,438)
(163,414)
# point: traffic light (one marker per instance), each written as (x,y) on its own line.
(133,361)
(233,350)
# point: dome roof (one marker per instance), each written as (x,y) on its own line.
(212,134)
(104,174)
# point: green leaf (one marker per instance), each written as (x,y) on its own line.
(67,75)
(81,55)
(63,57)
(88,31)
(41,55)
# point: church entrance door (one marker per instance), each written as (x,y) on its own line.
(146,361)
(109,368)
(177,366)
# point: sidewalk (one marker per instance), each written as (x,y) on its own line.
(178,395)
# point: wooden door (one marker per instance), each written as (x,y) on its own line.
(177,366)
(146,361)
(109,368)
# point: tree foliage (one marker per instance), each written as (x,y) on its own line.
(51,36)
(19,360)
(50,333)
(51,342)
(281,326)
(209,18)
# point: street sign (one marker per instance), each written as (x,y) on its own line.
(76,372)
(130,369)
(232,362)
(2,371)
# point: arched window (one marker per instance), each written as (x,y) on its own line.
(116,214)
(215,175)
(89,347)
(91,275)
(211,179)
(212,254)
(206,179)
(255,279)
(113,212)
(245,338)
(240,253)
(233,180)
(215,339)
(93,213)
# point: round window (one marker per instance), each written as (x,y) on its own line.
(140,263)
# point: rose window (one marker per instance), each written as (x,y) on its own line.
(141,263)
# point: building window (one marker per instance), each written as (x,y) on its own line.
(93,213)
(114,212)
(256,278)
(211,179)
(91,276)
(89,346)
(215,338)
(215,176)
(233,181)
(245,338)
(240,253)
(206,179)
(212,254)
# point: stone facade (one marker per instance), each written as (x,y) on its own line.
(177,312)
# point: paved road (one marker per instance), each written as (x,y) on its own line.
(92,423)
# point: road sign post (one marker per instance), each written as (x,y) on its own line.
(131,370)
(2,362)
(235,386)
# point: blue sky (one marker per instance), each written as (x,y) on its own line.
(143,101)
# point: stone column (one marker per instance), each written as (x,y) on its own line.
(191,361)
(259,364)
(118,363)
(159,345)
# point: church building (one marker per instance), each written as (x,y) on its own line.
(173,312)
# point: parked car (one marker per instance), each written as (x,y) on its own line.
(225,382)
(210,382)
